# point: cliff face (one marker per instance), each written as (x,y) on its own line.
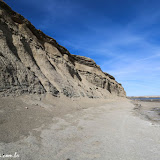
(32,62)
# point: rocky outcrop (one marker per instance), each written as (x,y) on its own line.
(32,62)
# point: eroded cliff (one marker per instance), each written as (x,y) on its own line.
(32,62)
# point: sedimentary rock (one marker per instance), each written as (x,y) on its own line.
(34,63)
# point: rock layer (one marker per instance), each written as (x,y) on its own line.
(32,62)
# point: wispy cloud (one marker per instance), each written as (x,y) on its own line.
(128,55)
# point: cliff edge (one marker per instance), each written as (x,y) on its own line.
(34,63)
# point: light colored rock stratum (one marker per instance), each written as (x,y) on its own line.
(32,62)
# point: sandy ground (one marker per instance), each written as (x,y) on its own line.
(149,110)
(114,129)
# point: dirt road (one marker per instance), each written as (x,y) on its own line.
(108,132)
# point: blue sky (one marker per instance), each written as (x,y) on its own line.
(122,36)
